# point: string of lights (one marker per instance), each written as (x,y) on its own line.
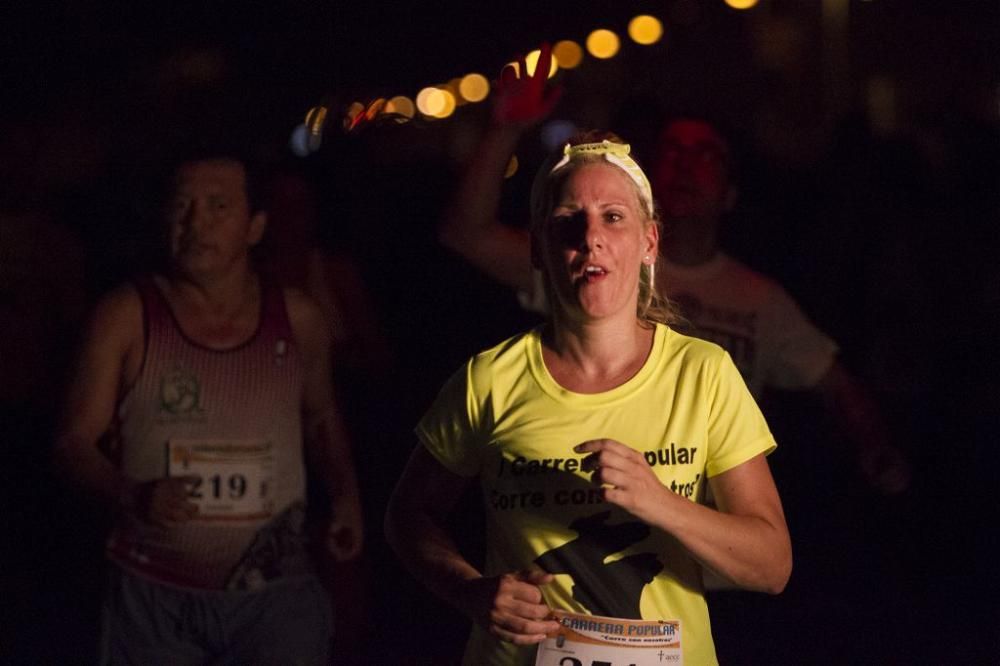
(439,101)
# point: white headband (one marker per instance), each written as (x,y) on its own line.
(616,154)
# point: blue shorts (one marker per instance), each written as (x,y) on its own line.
(144,622)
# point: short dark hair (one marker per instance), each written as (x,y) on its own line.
(184,152)
(733,138)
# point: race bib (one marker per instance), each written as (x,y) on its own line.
(591,640)
(233,479)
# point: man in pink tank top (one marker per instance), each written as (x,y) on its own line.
(216,384)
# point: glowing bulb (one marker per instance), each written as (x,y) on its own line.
(474,87)
(351,115)
(311,115)
(531,60)
(511,167)
(741,4)
(430,101)
(435,102)
(315,121)
(298,142)
(568,53)
(449,104)
(354,109)
(603,44)
(374,108)
(555,133)
(400,105)
(645,29)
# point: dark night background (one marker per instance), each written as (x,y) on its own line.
(869,188)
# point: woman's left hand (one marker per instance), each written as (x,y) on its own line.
(627,478)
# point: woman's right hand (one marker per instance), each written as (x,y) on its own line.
(522,98)
(511,606)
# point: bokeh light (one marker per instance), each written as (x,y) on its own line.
(449,104)
(741,4)
(568,53)
(555,133)
(298,142)
(435,102)
(531,60)
(511,167)
(645,29)
(315,121)
(603,44)
(474,87)
(430,101)
(374,108)
(315,116)
(400,105)
(354,110)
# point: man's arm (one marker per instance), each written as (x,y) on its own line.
(470,226)
(107,350)
(327,446)
(110,360)
(882,464)
(809,359)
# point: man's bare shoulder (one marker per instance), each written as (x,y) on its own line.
(306,317)
(117,315)
(111,348)
(302,307)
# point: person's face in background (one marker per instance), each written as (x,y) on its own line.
(691,172)
(210,225)
(595,240)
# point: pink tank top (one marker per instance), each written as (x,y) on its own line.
(232,419)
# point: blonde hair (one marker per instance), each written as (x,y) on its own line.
(652,307)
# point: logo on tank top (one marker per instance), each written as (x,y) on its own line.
(180,393)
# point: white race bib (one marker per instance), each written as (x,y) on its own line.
(591,640)
(233,478)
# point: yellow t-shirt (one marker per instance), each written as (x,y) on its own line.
(502,417)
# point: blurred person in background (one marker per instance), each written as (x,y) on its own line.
(215,385)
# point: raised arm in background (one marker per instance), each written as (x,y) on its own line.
(470,225)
